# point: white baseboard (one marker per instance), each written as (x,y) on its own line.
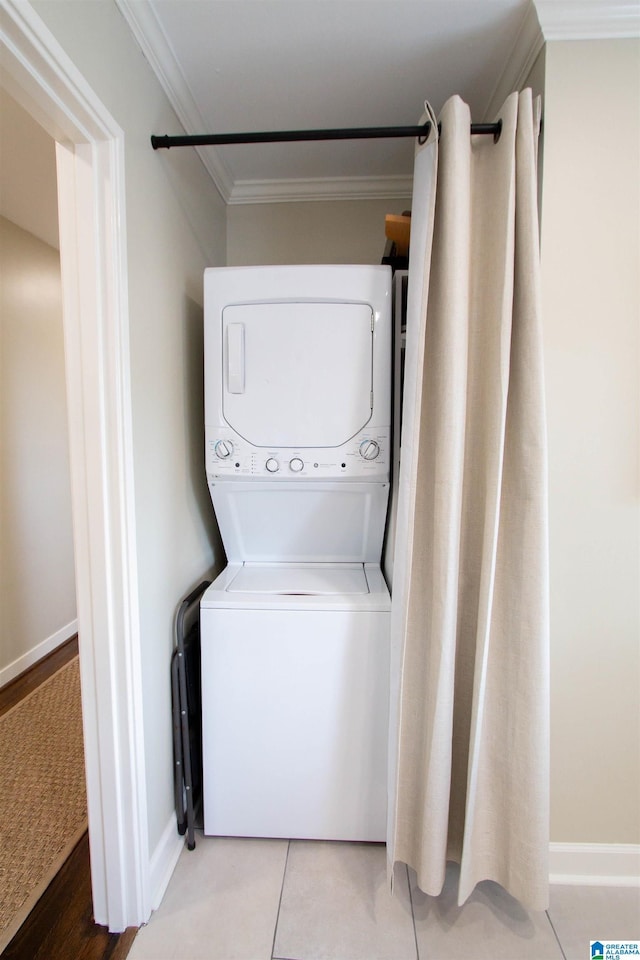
(164,860)
(595,864)
(13,670)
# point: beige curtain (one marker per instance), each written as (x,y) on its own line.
(469,734)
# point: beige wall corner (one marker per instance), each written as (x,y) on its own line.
(37,582)
(591,308)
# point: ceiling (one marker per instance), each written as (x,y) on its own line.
(267,65)
(263,65)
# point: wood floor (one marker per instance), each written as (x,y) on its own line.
(60,926)
(26,682)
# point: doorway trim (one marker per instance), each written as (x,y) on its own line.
(36,71)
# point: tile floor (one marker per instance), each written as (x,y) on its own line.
(234,899)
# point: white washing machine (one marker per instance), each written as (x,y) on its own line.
(295,631)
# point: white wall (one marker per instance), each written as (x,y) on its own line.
(36,549)
(591,309)
(175,228)
(335,231)
(37,582)
(28,186)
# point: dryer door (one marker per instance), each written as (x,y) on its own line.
(297,374)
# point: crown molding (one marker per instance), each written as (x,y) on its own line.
(588,19)
(155,46)
(527,46)
(327,188)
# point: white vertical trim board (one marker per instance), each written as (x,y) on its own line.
(91,199)
(42,649)
(595,864)
(164,859)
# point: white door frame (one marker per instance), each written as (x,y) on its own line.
(91,195)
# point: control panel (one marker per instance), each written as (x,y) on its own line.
(229,455)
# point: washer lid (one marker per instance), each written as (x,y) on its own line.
(303,521)
(297,374)
(293,579)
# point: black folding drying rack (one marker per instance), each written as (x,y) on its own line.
(186,701)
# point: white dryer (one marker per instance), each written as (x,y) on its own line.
(295,631)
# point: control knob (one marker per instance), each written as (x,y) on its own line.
(223,449)
(296,464)
(369,449)
(272,465)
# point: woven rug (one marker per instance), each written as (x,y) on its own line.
(43,807)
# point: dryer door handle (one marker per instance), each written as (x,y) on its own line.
(235,357)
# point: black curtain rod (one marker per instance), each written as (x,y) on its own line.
(289,136)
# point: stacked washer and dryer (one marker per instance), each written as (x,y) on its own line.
(295,631)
